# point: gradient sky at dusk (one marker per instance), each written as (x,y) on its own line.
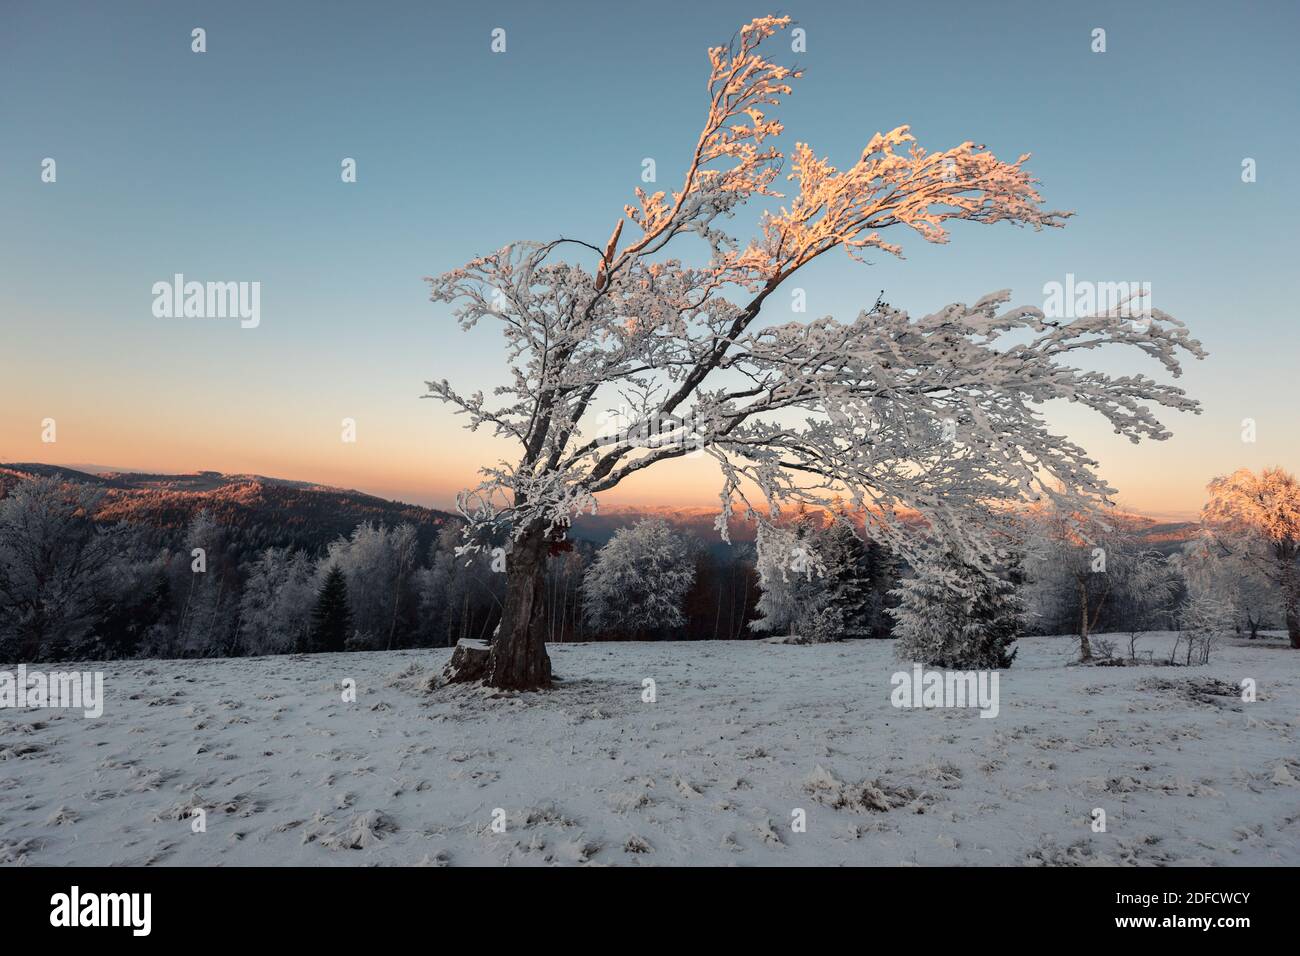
(225,166)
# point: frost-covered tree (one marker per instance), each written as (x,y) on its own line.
(1080,564)
(884,576)
(433,585)
(53,562)
(819,581)
(206,582)
(790,576)
(938,414)
(638,581)
(1257,518)
(402,547)
(955,616)
(459,594)
(134,604)
(564,593)
(276,606)
(378,563)
(1210,568)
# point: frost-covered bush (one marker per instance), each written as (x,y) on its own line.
(823,625)
(1203,621)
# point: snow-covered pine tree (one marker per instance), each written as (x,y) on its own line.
(848,576)
(638,582)
(331,622)
(955,616)
(822,582)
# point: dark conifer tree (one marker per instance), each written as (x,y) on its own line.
(848,577)
(331,621)
(883,576)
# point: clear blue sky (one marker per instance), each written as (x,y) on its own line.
(225,165)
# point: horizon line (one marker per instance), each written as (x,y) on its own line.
(100,470)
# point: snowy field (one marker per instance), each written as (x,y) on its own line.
(740,735)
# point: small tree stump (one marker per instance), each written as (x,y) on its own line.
(468,662)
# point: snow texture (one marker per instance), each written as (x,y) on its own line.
(738,736)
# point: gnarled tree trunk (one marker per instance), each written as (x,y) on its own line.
(519,660)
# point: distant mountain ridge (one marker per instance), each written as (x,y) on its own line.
(312,513)
(287,512)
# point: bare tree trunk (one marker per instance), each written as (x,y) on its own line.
(519,660)
(575,608)
(717,618)
(550,587)
(564,605)
(183,620)
(397,596)
(744,604)
(731,604)
(239,622)
(1085,648)
(1291,599)
(207,635)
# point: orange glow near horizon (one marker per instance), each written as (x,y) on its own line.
(390,467)
(417,451)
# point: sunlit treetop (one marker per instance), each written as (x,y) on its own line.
(939,414)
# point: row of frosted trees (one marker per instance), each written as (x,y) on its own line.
(1058,572)
(73,586)
(70,586)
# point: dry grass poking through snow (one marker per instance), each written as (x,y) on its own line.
(741,734)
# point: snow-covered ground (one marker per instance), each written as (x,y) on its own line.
(740,735)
